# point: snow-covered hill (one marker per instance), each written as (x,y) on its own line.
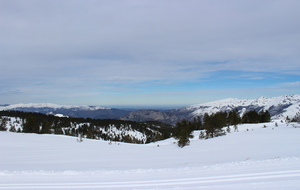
(279,107)
(253,158)
(110,130)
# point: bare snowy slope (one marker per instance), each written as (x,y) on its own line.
(253,158)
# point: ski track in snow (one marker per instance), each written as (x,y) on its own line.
(251,178)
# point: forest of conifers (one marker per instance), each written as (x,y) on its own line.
(117,130)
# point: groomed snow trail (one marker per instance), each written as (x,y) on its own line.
(251,179)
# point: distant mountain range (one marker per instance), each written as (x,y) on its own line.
(152,115)
(279,108)
(94,112)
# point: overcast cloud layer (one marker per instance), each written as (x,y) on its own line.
(147,52)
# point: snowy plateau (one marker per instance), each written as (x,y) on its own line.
(258,156)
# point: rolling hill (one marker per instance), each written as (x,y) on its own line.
(256,157)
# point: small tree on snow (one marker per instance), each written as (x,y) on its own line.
(12,128)
(297,119)
(3,124)
(214,123)
(202,135)
(228,130)
(183,133)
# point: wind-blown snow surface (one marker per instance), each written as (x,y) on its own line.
(253,158)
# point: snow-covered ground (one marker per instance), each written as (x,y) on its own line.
(253,158)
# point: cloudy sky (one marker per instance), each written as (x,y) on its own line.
(147,52)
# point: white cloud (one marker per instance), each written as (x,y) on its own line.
(97,43)
(292,84)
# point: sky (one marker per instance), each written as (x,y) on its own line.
(151,53)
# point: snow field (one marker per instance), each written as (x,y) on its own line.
(257,158)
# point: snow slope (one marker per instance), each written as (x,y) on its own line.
(253,158)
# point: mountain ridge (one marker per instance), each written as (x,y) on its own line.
(49,105)
(279,107)
(95,112)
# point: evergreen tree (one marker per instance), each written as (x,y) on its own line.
(264,116)
(46,126)
(296,118)
(197,122)
(234,118)
(183,132)
(214,123)
(31,125)
(251,117)
(3,124)
(12,128)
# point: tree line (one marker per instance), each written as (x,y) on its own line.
(87,127)
(213,125)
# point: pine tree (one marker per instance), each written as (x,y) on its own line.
(46,126)
(201,135)
(251,117)
(31,125)
(234,118)
(296,118)
(197,122)
(264,116)
(3,124)
(183,132)
(12,128)
(214,123)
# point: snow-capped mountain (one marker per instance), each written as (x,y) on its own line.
(48,105)
(72,111)
(279,107)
